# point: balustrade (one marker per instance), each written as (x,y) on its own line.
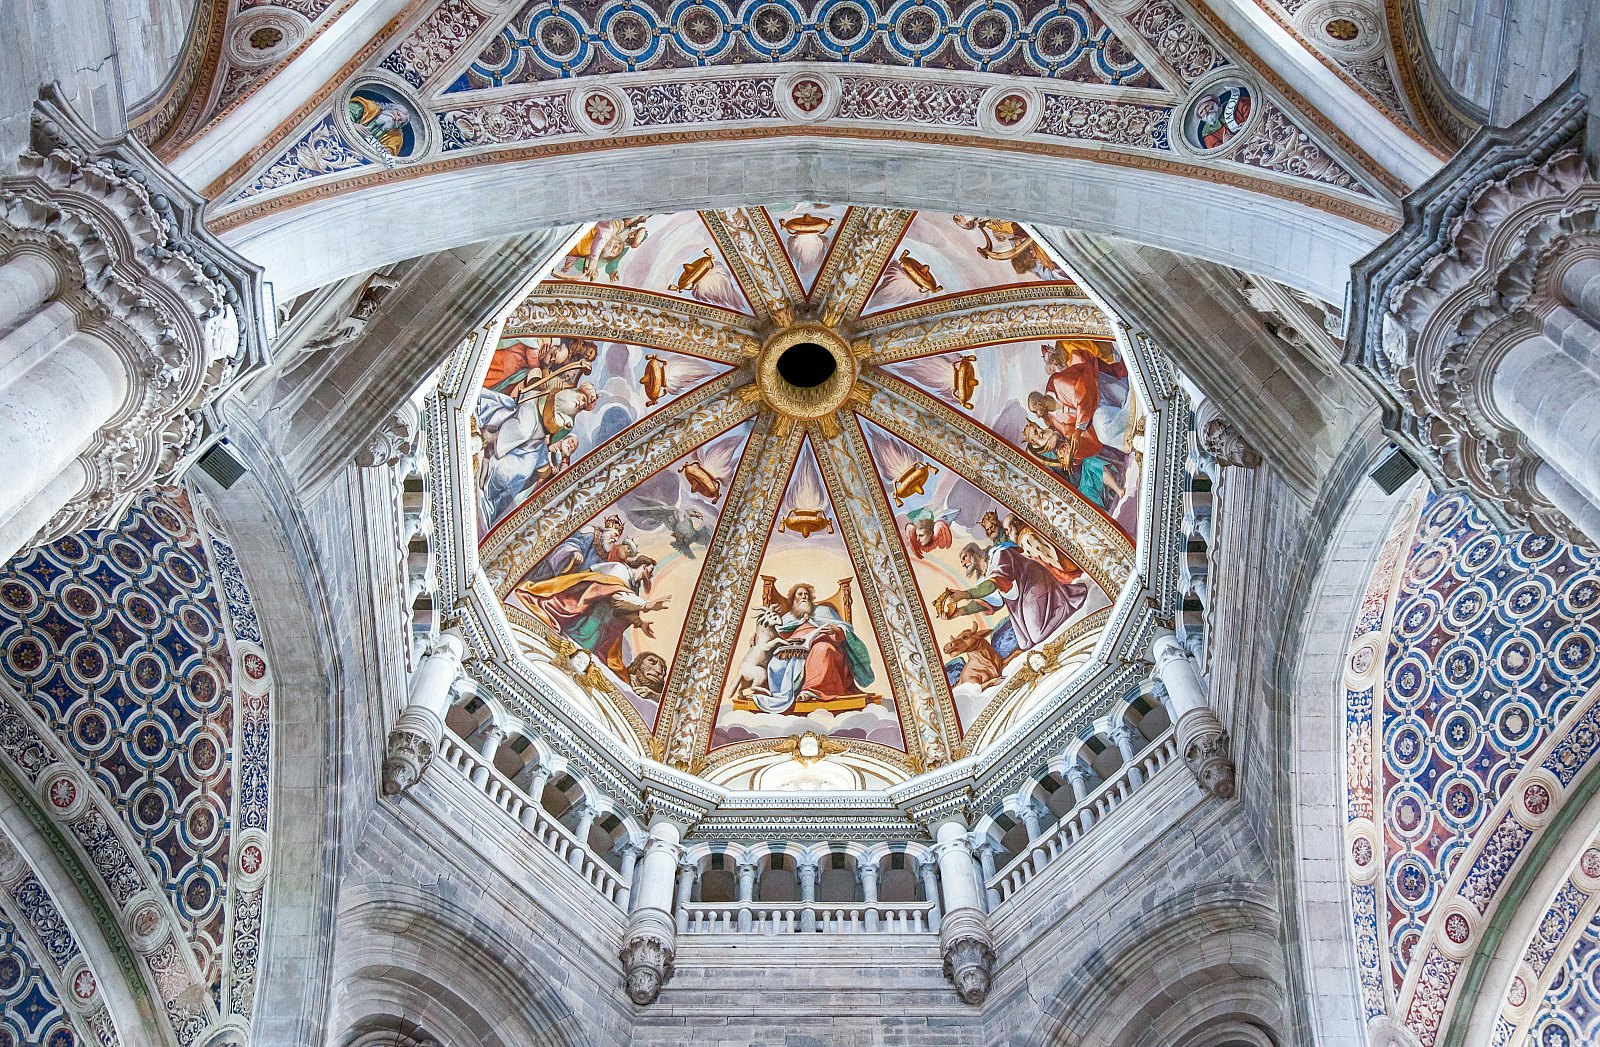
(804,917)
(549,833)
(1087,812)
(776,918)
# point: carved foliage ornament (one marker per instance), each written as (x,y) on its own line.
(135,282)
(1444,331)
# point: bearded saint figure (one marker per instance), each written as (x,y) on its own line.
(824,657)
(1036,596)
(595,607)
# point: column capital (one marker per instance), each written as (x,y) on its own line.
(1421,332)
(128,244)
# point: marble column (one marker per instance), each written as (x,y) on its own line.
(688,877)
(807,873)
(49,415)
(747,893)
(869,893)
(415,736)
(533,780)
(651,941)
(489,739)
(1201,737)
(629,852)
(1030,819)
(928,868)
(991,896)
(586,816)
(1123,736)
(964,936)
(1078,777)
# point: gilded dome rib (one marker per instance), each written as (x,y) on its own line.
(695,686)
(926,713)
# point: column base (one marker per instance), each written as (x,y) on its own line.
(968,953)
(412,742)
(1204,744)
(647,954)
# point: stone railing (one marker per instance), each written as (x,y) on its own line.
(1078,822)
(549,833)
(809,917)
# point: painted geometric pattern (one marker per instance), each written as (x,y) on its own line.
(119,639)
(551,40)
(31,1011)
(1491,641)
(1569,1014)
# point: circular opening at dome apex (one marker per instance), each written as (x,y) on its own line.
(806,365)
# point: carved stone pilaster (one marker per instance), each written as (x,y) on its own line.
(1220,439)
(1204,743)
(968,950)
(647,954)
(147,284)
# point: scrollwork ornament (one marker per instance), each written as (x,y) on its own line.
(968,950)
(647,955)
(139,284)
(1481,289)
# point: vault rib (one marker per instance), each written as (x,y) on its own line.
(621,314)
(711,628)
(856,261)
(1055,509)
(1002,323)
(747,242)
(927,713)
(545,518)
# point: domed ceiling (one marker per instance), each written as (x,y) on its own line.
(808,479)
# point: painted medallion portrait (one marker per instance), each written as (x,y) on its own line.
(385,119)
(1218,116)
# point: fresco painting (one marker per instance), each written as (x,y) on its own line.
(807,232)
(1066,404)
(1218,116)
(944,255)
(670,254)
(621,586)
(387,120)
(991,585)
(547,402)
(807,657)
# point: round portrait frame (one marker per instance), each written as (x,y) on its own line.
(427,129)
(1221,79)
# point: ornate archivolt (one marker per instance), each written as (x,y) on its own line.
(1127,97)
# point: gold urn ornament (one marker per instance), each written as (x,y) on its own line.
(912,481)
(806,522)
(964,379)
(654,379)
(919,273)
(807,225)
(701,481)
(693,272)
